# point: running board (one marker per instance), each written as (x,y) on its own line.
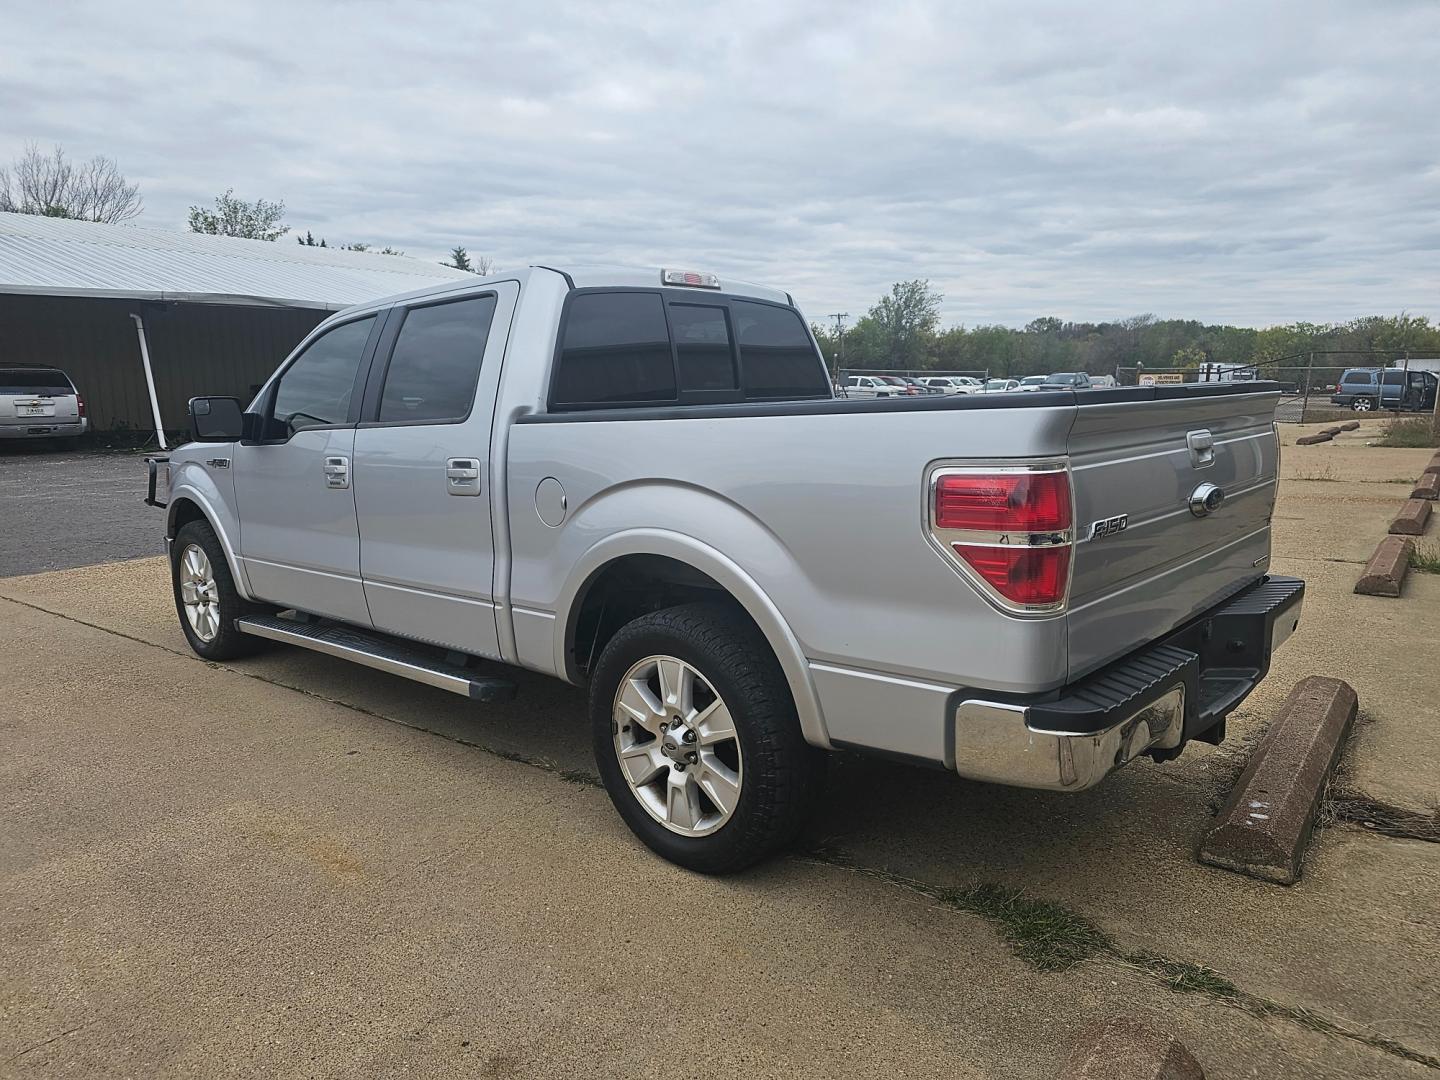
(378,651)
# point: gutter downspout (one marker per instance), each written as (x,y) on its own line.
(150,381)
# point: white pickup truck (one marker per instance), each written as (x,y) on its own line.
(641,483)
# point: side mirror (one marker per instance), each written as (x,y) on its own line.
(215,419)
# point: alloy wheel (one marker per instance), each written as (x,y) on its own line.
(199,594)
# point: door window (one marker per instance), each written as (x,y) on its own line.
(318,388)
(436,362)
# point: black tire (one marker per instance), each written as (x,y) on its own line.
(783,775)
(228,642)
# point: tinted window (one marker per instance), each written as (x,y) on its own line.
(616,349)
(1358,377)
(777,358)
(316,389)
(702,347)
(1392,378)
(38,383)
(436,361)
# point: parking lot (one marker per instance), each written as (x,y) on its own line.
(299,867)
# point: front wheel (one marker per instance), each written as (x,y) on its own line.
(697,740)
(205,596)
(1362,404)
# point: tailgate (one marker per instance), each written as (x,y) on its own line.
(1137,578)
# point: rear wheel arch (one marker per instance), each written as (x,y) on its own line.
(670,570)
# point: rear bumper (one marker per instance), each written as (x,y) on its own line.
(1153,700)
(43,428)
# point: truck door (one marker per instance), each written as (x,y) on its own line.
(422,470)
(293,490)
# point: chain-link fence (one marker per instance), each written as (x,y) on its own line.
(1320,386)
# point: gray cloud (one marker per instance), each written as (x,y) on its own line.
(1226,161)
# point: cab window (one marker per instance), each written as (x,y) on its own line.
(318,387)
(435,363)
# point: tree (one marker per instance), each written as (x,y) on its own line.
(258,220)
(308,240)
(905,322)
(51,186)
(461,259)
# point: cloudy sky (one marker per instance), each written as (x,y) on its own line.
(1241,162)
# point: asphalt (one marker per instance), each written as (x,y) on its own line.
(291,866)
(73,508)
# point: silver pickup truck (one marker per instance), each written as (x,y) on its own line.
(641,483)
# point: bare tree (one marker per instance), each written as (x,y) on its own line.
(49,184)
(258,220)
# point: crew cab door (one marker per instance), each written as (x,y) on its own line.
(294,488)
(422,470)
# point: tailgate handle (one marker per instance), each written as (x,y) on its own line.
(1202,448)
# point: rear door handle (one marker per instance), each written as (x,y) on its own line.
(337,472)
(462,476)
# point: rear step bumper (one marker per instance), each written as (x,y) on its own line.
(379,651)
(1151,701)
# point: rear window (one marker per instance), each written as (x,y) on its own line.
(1358,377)
(777,358)
(616,351)
(40,383)
(647,348)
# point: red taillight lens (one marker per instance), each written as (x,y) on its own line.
(1023,575)
(80,404)
(1003,502)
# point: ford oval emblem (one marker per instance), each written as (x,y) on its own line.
(1206,499)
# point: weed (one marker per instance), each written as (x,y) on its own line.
(1426,559)
(1183,977)
(1414,431)
(1051,937)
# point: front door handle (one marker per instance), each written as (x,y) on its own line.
(462,476)
(337,472)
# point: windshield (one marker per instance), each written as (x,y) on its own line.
(1032,380)
(996,384)
(892,380)
(39,383)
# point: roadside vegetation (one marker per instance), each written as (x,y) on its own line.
(1426,559)
(1413,431)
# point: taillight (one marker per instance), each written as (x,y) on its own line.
(1009,529)
(80,404)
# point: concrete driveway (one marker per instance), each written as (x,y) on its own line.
(289,866)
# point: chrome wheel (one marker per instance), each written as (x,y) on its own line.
(677,746)
(1361,404)
(199,594)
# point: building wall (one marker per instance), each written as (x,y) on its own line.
(194,349)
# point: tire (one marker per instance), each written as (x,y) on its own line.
(774,776)
(224,642)
(1362,404)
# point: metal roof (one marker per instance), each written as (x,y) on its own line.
(60,257)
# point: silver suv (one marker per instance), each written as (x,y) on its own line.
(39,403)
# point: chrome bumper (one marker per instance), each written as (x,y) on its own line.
(1177,689)
(995,742)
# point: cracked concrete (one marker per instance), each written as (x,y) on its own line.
(275,867)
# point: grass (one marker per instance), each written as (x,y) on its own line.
(1049,936)
(1413,431)
(1426,559)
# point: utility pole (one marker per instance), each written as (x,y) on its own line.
(840,317)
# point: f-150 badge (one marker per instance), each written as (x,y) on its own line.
(1109,526)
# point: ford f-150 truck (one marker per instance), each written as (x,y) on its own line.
(641,483)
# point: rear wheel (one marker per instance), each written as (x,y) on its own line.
(697,739)
(1362,404)
(205,596)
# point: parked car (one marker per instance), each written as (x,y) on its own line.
(996,386)
(1066,380)
(1102,382)
(872,386)
(919,386)
(1032,382)
(945,384)
(641,484)
(39,403)
(1364,389)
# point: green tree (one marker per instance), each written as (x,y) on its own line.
(459,259)
(904,323)
(258,220)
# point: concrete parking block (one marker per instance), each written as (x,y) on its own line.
(1350,425)
(1428,487)
(1263,828)
(1311,440)
(1411,519)
(1386,569)
(1126,1049)
(1434,466)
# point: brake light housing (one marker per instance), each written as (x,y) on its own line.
(1008,529)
